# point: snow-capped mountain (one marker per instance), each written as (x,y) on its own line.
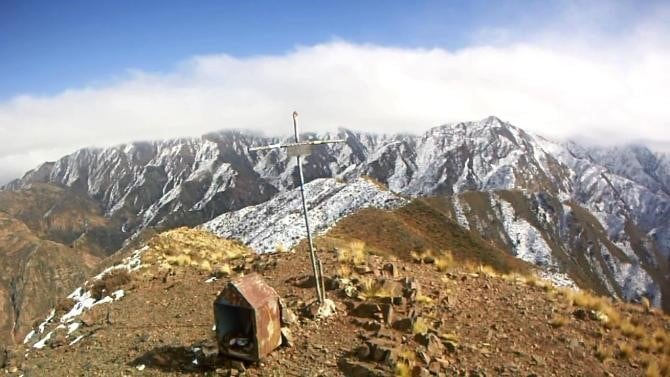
(620,192)
(279,221)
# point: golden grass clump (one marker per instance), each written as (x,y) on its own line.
(558,321)
(487,270)
(625,351)
(225,269)
(355,253)
(603,353)
(403,369)
(444,261)
(420,326)
(192,247)
(630,330)
(370,287)
(423,299)
(343,271)
(653,370)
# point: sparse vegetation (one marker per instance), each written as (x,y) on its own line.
(110,282)
(444,261)
(603,353)
(403,369)
(625,351)
(200,249)
(420,326)
(355,253)
(558,321)
(369,287)
(423,299)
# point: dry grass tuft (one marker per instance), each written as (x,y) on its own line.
(225,269)
(603,353)
(355,253)
(343,271)
(487,270)
(370,287)
(630,330)
(420,326)
(625,351)
(444,261)
(281,248)
(403,369)
(110,282)
(423,299)
(558,321)
(198,248)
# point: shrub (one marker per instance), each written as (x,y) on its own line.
(110,282)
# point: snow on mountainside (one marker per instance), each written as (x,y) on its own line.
(279,221)
(623,192)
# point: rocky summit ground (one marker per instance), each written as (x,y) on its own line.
(425,316)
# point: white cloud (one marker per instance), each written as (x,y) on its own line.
(613,93)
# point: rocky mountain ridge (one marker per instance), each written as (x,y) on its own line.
(606,211)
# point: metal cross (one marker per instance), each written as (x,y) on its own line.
(297,150)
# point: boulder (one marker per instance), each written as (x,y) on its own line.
(403,324)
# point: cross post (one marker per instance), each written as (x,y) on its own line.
(297,150)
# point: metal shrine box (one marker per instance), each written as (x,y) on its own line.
(247,317)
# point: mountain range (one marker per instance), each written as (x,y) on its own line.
(597,218)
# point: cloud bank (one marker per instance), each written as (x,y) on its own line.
(610,93)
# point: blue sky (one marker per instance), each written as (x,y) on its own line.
(75,74)
(49,46)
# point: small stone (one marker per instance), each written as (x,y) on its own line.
(435,367)
(286,337)
(363,269)
(419,371)
(287,316)
(387,313)
(363,352)
(390,269)
(238,365)
(423,357)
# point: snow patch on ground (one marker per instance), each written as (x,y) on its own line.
(632,279)
(529,244)
(460,213)
(280,221)
(83,302)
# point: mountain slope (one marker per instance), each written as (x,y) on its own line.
(453,322)
(50,240)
